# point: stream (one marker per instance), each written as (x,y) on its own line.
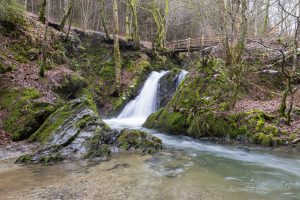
(186,169)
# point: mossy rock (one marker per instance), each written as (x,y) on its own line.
(71,86)
(25,114)
(151,120)
(267,140)
(60,116)
(25,159)
(75,131)
(271,130)
(139,141)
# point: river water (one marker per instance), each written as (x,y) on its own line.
(186,169)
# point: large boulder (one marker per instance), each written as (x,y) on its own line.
(74,131)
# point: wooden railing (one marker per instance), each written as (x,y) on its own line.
(192,44)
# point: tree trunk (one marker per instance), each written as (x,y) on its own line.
(243,36)
(67,15)
(42,13)
(133,7)
(117,54)
(266,20)
(160,20)
(127,28)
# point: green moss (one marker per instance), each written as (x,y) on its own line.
(83,122)
(277,141)
(258,137)
(271,130)
(225,106)
(71,86)
(139,140)
(107,72)
(52,123)
(174,122)
(25,159)
(95,146)
(25,115)
(150,122)
(60,115)
(293,136)
(100,151)
(267,140)
(11,12)
(52,158)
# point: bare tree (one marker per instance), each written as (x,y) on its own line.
(42,13)
(67,14)
(117,55)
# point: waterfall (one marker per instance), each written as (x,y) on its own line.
(181,77)
(136,111)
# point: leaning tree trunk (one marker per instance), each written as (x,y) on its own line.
(67,15)
(117,54)
(42,13)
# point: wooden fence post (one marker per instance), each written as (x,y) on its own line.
(188,44)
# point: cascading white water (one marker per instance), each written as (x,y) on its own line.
(136,112)
(145,102)
(181,77)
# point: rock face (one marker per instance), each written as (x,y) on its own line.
(138,141)
(167,87)
(74,131)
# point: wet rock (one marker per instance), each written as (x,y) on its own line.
(138,141)
(74,131)
(167,87)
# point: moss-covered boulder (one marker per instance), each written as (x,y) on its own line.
(25,112)
(139,141)
(74,131)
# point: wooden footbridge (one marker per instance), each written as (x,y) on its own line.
(190,45)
